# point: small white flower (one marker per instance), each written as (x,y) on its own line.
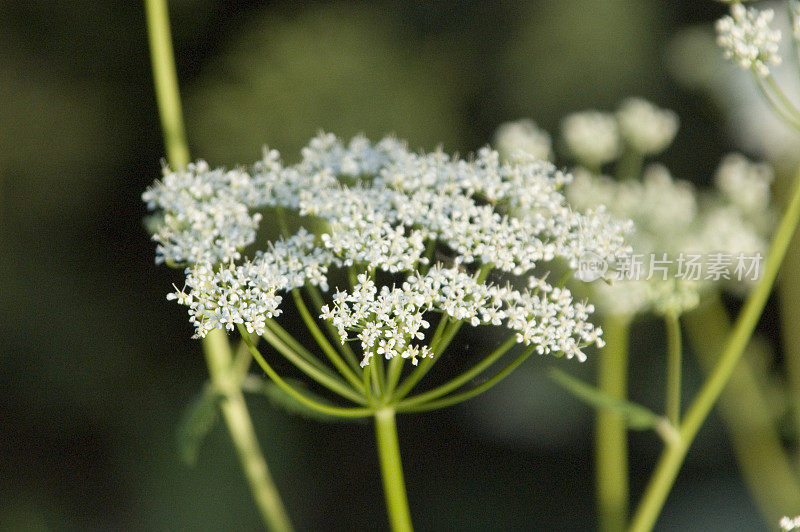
(747,39)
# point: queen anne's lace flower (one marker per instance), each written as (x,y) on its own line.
(747,39)
(429,224)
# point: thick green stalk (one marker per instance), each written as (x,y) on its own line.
(394,486)
(216,347)
(611,434)
(748,414)
(674,368)
(673,455)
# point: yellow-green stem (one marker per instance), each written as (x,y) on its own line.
(215,345)
(674,368)
(673,455)
(748,414)
(611,434)
(394,486)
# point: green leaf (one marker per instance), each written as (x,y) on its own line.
(636,416)
(278,397)
(198,420)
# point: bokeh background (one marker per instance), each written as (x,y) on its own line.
(96,367)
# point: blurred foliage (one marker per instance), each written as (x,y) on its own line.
(96,367)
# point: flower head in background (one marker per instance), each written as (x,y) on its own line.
(682,236)
(748,40)
(523,136)
(591,137)
(419,232)
(646,128)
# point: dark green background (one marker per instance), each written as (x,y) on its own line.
(96,366)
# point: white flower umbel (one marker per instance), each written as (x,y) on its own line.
(592,137)
(645,127)
(429,225)
(748,40)
(523,136)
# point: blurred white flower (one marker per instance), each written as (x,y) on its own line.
(645,127)
(523,136)
(591,137)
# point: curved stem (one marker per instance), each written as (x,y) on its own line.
(394,487)
(469,394)
(215,345)
(284,336)
(344,348)
(323,343)
(330,410)
(782,113)
(328,380)
(463,378)
(611,433)
(671,459)
(674,363)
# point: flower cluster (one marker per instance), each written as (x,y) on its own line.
(748,40)
(430,225)
(671,218)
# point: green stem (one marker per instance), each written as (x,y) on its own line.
(672,458)
(630,164)
(240,427)
(349,412)
(394,487)
(674,363)
(215,345)
(326,379)
(750,418)
(469,394)
(789,295)
(463,378)
(323,343)
(611,434)
(782,113)
(165,78)
(346,350)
